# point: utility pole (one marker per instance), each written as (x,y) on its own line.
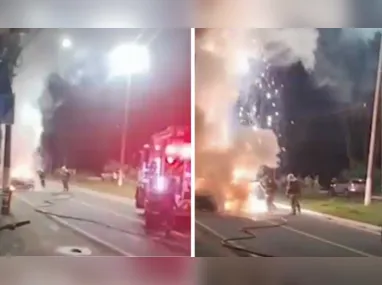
(7,194)
(127,90)
(374,124)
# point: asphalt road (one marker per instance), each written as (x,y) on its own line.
(111,223)
(302,236)
(43,237)
(290,271)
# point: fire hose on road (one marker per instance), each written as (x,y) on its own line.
(248,231)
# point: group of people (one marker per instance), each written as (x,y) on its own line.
(65,177)
(293,192)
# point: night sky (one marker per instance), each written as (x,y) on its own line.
(85,130)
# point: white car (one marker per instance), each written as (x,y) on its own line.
(22,183)
(347,188)
(109,176)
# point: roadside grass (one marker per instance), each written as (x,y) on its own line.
(348,208)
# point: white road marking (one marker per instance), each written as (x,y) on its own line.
(81,231)
(131,218)
(218,235)
(127,217)
(322,239)
(327,241)
(135,219)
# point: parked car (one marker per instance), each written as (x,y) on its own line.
(23,183)
(109,176)
(351,187)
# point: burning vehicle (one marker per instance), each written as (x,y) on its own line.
(22,178)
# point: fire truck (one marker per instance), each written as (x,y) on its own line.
(164,179)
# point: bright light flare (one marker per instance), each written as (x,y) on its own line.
(66,43)
(22,172)
(128,59)
(241,175)
(242,66)
(254,204)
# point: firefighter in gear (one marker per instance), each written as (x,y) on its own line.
(41,175)
(65,178)
(169,214)
(293,192)
(270,188)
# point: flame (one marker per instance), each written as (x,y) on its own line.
(22,172)
(249,204)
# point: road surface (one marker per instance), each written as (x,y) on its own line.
(43,237)
(302,236)
(291,271)
(112,223)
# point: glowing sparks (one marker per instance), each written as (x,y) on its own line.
(229,159)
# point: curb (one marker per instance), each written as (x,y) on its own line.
(342,221)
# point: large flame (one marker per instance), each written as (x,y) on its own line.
(227,159)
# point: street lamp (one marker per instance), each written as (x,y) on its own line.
(125,61)
(66,43)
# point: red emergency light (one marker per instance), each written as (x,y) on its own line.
(170,160)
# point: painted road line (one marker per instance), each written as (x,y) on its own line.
(218,235)
(364,254)
(134,219)
(81,231)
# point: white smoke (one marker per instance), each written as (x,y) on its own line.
(37,61)
(221,156)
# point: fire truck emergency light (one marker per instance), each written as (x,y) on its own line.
(183,151)
(170,159)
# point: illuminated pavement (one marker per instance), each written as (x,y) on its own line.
(43,237)
(302,236)
(112,223)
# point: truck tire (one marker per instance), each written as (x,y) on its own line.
(151,221)
(139,201)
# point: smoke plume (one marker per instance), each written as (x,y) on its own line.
(346,62)
(37,61)
(227,160)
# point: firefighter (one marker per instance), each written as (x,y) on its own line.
(41,175)
(170,204)
(293,192)
(65,178)
(270,187)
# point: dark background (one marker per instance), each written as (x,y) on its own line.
(324,130)
(85,129)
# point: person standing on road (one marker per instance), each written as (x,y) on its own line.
(270,187)
(293,192)
(41,175)
(65,178)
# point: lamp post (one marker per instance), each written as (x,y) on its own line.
(374,124)
(125,61)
